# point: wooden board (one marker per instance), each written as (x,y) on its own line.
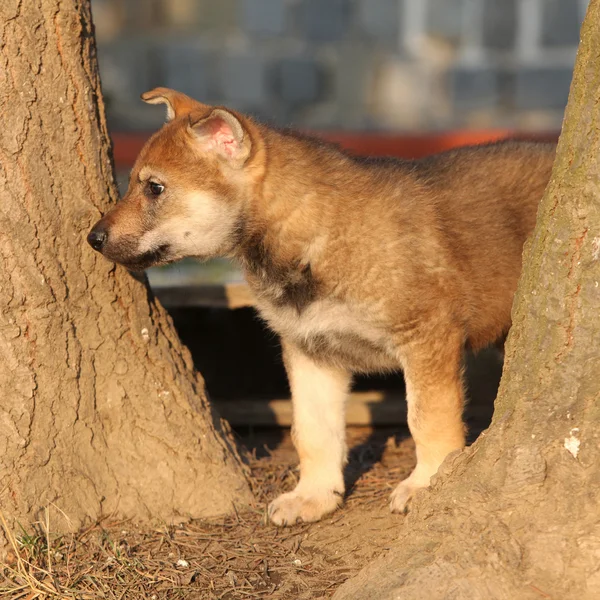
(372,408)
(228,295)
(363,408)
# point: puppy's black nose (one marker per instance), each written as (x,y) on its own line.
(97,238)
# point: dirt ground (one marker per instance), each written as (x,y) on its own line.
(241,556)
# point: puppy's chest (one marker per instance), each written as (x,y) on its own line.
(333,332)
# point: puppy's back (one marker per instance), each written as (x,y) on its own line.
(486,199)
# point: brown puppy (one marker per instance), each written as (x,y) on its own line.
(361,265)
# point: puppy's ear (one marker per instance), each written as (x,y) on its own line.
(177,103)
(222,132)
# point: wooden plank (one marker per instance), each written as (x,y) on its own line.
(239,295)
(371,408)
(363,408)
(229,295)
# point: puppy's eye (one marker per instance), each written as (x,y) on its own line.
(156,189)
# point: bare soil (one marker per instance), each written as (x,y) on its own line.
(241,556)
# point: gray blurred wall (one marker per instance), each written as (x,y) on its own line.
(400,65)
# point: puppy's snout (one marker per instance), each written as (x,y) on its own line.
(97,237)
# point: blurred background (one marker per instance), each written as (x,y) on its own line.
(361,65)
(399,77)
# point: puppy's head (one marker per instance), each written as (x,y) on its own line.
(188,188)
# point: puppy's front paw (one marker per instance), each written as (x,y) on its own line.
(403,493)
(297,507)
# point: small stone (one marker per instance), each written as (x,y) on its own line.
(184,564)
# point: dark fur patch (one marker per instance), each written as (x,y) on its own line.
(291,284)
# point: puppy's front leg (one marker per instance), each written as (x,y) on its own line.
(319,396)
(434,393)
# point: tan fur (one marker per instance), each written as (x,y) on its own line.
(360,265)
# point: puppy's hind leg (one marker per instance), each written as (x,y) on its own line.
(435,397)
(319,396)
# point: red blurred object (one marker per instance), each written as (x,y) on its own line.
(126,146)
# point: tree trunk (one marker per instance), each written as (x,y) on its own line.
(101,412)
(516,515)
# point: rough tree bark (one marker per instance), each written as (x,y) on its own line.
(101,411)
(516,516)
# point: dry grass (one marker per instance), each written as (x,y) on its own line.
(240,556)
